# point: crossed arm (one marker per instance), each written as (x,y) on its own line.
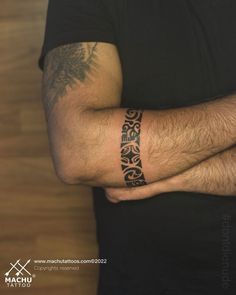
(216,175)
(97,143)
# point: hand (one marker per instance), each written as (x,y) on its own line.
(115,195)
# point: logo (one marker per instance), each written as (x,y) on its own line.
(226,251)
(18,275)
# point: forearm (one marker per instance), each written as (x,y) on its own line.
(165,143)
(216,175)
(95,142)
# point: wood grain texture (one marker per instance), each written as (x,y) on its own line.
(40,217)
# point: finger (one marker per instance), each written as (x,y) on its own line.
(126,194)
(111,199)
(136,193)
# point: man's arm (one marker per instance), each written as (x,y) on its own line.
(95,142)
(216,175)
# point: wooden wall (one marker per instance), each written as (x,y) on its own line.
(40,217)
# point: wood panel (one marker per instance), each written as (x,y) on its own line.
(40,217)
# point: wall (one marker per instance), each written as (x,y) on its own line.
(40,217)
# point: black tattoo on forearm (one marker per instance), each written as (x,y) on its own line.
(130,149)
(64,66)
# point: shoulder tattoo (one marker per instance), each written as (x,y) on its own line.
(63,67)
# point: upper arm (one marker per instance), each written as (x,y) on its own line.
(81,76)
(78,77)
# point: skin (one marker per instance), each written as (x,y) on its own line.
(95,142)
(214,176)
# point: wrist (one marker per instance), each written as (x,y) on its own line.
(176,183)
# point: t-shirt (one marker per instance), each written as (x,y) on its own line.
(173,53)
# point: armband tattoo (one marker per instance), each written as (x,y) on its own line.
(130,149)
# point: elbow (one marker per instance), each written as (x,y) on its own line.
(66,175)
(65,172)
(70,170)
(71,154)
(66,167)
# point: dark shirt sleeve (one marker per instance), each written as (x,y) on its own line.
(70,21)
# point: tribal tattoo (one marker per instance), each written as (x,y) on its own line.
(64,66)
(130,149)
